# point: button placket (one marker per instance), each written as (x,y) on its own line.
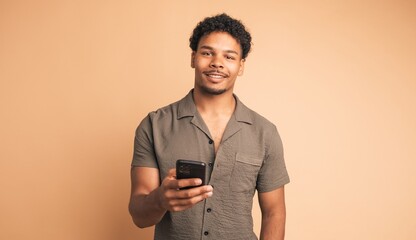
(208,210)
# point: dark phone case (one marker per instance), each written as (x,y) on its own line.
(190,169)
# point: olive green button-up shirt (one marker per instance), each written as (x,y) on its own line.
(249,158)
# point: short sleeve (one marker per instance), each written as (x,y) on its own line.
(144,152)
(273,173)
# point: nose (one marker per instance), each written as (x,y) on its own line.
(216,62)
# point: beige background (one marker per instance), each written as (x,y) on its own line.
(338,78)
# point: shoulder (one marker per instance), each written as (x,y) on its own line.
(164,117)
(250,116)
(164,112)
(260,120)
(182,108)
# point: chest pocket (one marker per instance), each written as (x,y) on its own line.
(244,174)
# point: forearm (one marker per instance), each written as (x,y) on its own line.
(273,227)
(146,210)
(150,200)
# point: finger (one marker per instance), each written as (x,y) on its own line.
(170,181)
(193,192)
(182,204)
(181,183)
(172,172)
(175,194)
(189,182)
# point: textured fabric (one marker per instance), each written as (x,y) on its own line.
(249,157)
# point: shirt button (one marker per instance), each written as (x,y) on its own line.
(206,233)
(209,210)
(210,164)
(210,141)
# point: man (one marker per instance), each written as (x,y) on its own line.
(242,150)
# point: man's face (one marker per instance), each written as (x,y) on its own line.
(217,62)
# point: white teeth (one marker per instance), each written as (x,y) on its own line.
(215,76)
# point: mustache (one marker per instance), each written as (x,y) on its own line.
(216,72)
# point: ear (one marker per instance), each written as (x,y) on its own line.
(241,69)
(193,59)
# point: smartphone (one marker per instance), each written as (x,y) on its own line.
(190,169)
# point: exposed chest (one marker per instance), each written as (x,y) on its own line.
(216,127)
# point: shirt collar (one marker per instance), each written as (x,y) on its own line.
(187,108)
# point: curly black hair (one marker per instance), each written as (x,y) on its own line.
(222,23)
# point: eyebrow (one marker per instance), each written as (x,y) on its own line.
(212,49)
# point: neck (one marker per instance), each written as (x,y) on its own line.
(214,104)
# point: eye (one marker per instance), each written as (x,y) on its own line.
(206,54)
(230,57)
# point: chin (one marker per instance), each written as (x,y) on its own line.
(213,91)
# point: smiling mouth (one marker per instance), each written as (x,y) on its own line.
(215,74)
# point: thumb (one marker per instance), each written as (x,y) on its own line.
(172,173)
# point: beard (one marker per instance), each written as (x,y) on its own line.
(212,91)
